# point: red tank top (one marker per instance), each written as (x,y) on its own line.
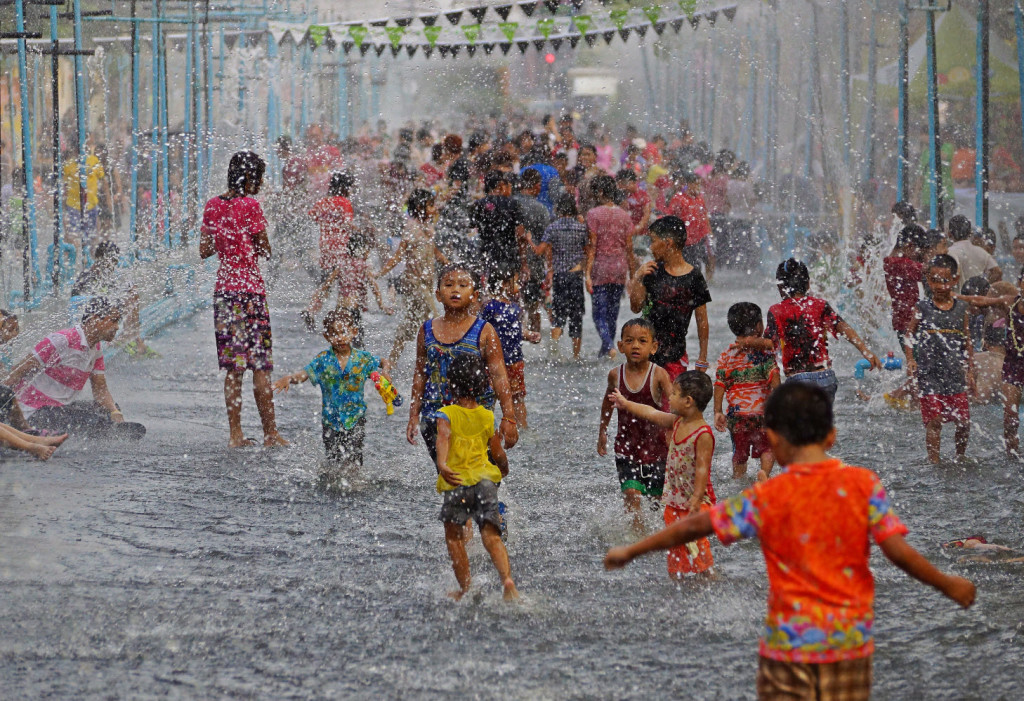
(639,439)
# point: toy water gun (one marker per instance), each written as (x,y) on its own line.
(387,392)
(889,362)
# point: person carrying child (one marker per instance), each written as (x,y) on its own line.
(471,462)
(744,378)
(340,372)
(669,291)
(817,640)
(506,317)
(941,358)
(691,444)
(640,445)
(565,245)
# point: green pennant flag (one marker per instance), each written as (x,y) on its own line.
(358,32)
(619,17)
(472,32)
(653,12)
(395,35)
(317,34)
(545,27)
(688,6)
(509,29)
(432,33)
(583,23)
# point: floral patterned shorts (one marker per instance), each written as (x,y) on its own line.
(241,326)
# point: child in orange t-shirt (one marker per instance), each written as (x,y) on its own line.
(821,600)
(691,444)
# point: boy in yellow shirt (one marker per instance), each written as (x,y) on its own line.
(467,477)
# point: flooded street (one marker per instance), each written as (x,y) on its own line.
(176,568)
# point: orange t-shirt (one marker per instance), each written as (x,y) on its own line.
(332,215)
(821,599)
(746,376)
(694,213)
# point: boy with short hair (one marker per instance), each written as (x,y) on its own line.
(817,641)
(668,291)
(640,447)
(745,377)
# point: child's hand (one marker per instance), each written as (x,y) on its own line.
(531,336)
(646,269)
(961,591)
(720,421)
(876,364)
(590,286)
(282,384)
(693,506)
(911,367)
(411,429)
(617,558)
(618,401)
(449,475)
(602,444)
(972,385)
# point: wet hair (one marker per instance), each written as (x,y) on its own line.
(977,286)
(639,322)
(423,133)
(458,268)
(337,316)
(341,184)
(452,144)
(477,139)
(530,178)
(586,147)
(284,143)
(792,277)
(905,211)
(99,308)
(697,386)
(911,236)
(494,180)
(436,150)
(671,228)
(106,249)
(988,236)
(467,376)
(932,238)
(538,155)
(742,170)
(560,156)
(245,169)
(960,228)
(744,318)
(565,205)
(503,158)
(625,175)
(604,187)
(418,202)
(946,261)
(799,412)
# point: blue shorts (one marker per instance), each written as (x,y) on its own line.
(826,379)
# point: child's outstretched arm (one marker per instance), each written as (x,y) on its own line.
(701,315)
(606,413)
(693,527)
(444,434)
(978,301)
(498,454)
(395,259)
(844,329)
(904,556)
(648,413)
(282,384)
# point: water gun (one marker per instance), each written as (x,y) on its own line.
(387,392)
(889,362)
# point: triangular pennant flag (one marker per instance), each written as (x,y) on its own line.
(608,35)
(591,38)
(505,47)
(443,49)
(363,48)
(539,44)
(395,50)
(231,39)
(528,7)
(347,46)
(688,6)
(712,17)
(428,49)
(488,47)
(694,22)
(730,13)
(455,49)
(379,48)
(411,49)
(653,12)
(432,33)
(472,32)
(583,23)
(523,46)
(503,11)
(428,20)
(624,33)
(574,39)
(552,5)
(545,26)
(454,17)
(471,50)
(659,27)
(404,22)
(641,29)
(395,34)
(358,32)
(317,33)
(379,23)
(509,29)
(330,43)
(478,13)
(676,24)
(556,44)
(619,17)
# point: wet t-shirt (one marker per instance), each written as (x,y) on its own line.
(233,224)
(332,215)
(800,328)
(506,318)
(940,348)
(669,306)
(496,219)
(341,388)
(901,278)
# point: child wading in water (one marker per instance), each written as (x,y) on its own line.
(691,444)
(467,477)
(817,642)
(940,358)
(640,447)
(340,372)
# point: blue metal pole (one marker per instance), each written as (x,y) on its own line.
(154,169)
(81,108)
(210,110)
(164,157)
(711,96)
(186,137)
(981,119)
(903,90)
(133,196)
(29,209)
(343,98)
(58,203)
(1018,22)
(809,155)
(307,65)
(934,177)
(869,118)
(272,107)
(844,77)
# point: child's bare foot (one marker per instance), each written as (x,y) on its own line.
(43,452)
(457,594)
(274,440)
(50,440)
(240,442)
(762,476)
(739,471)
(511,593)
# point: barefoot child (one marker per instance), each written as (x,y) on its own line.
(467,477)
(640,447)
(820,606)
(340,372)
(941,358)
(565,246)
(745,378)
(691,444)
(668,291)
(506,317)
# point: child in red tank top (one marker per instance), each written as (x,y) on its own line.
(640,447)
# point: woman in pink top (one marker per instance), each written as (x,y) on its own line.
(235,230)
(610,259)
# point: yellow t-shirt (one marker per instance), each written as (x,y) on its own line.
(471,429)
(93,173)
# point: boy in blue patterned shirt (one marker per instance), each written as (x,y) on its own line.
(339,372)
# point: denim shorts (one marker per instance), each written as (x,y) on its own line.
(826,379)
